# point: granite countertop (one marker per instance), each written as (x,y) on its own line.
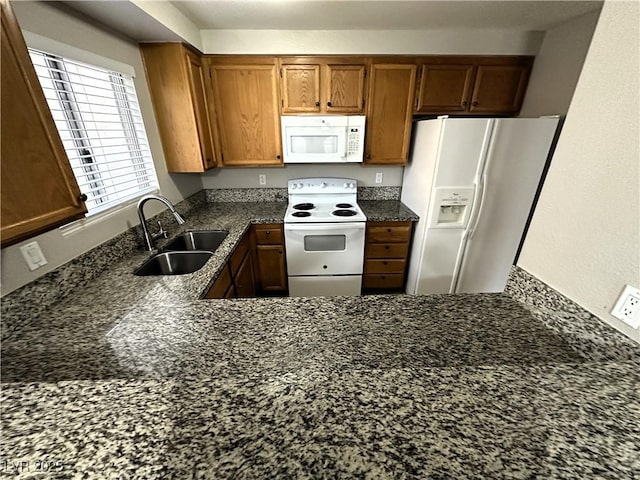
(135,378)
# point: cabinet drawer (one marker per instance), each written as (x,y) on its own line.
(270,234)
(384,266)
(389,233)
(387,250)
(239,254)
(221,285)
(391,281)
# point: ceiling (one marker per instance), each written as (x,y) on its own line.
(381,15)
(183,20)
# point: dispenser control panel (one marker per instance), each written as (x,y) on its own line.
(451,207)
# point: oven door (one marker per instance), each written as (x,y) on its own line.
(324,248)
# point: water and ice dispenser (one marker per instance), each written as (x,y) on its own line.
(451,207)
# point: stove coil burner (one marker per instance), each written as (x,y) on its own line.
(304,206)
(344,213)
(301,214)
(344,205)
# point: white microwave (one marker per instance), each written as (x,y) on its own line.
(323,138)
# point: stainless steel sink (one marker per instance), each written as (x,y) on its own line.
(173,263)
(198,240)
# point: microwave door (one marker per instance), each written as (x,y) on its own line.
(305,144)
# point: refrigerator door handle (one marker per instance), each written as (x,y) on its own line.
(481,188)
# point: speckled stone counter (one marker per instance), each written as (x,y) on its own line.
(134,378)
(387,211)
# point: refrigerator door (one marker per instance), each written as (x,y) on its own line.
(445,153)
(514,167)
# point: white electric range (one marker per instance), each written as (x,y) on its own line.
(324,231)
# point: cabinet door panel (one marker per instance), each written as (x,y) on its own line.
(221,286)
(247,100)
(244,281)
(389,110)
(271,267)
(205,136)
(300,88)
(444,88)
(499,88)
(39,190)
(344,86)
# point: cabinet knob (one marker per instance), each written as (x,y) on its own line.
(317,104)
(474,104)
(83,197)
(267,232)
(464,104)
(328,104)
(386,247)
(389,230)
(367,156)
(278,157)
(280,252)
(385,263)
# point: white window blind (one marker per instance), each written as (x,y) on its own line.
(97,114)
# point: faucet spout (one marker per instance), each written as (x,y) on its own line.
(148,239)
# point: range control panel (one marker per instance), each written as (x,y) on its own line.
(322,185)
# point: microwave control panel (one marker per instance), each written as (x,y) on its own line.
(353,141)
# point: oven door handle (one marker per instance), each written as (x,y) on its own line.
(324,227)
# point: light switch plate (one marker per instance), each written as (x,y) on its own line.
(33,255)
(378,177)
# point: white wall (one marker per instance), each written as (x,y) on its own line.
(557,67)
(471,42)
(277,177)
(46,20)
(584,237)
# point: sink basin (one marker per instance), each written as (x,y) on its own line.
(198,240)
(173,263)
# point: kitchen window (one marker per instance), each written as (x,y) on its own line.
(98,117)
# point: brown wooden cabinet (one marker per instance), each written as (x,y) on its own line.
(391,89)
(322,85)
(39,190)
(271,260)
(237,277)
(245,94)
(386,255)
(177,84)
(472,85)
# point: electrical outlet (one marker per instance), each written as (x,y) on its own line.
(378,177)
(33,255)
(262,179)
(627,307)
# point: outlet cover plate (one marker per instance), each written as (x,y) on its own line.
(33,255)
(262,179)
(379,177)
(627,308)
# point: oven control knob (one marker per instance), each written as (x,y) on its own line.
(351,185)
(323,185)
(293,186)
(300,185)
(346,185)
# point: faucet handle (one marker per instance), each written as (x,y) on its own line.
(161,232)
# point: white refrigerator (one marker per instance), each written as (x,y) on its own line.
(472,181)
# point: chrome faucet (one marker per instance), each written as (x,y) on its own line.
(149,238)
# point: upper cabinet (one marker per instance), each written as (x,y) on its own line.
(472,85)
(245,93)
(391,89)
(176,81)
(323,85)
(39,190)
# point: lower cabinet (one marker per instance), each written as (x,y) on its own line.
(271,260)
(386,255)
(237,278)
(257,266)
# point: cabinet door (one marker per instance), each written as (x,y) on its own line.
(248,114)
(199,100)
(39,190)
(300,88)
(174,76)
(271,267)
(244,281)
(444,88)
(344,88)
(499,88)
(391,89)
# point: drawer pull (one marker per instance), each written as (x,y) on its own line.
(385,263)
(267,232)
(389,230)
(386,247)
